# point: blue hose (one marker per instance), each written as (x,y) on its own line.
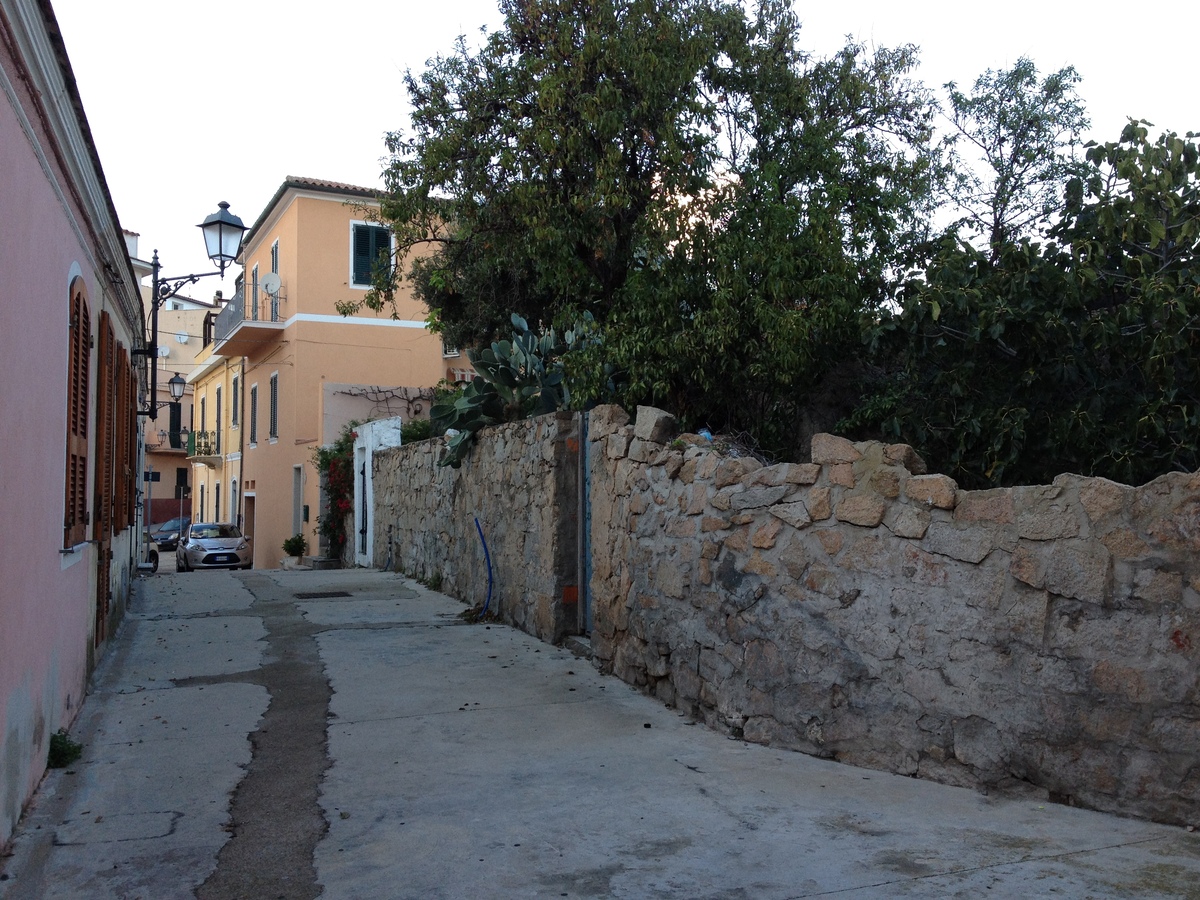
(487,556)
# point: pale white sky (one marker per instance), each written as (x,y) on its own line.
(191,102)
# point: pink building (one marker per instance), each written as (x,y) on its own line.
(70,321)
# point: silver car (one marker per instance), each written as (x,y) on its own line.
(207,545)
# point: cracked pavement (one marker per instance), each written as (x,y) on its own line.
(344,734)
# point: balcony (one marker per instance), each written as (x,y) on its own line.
(204,447)
(250,322)
(166,441)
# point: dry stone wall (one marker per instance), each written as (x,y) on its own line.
(861,609)
(521,482)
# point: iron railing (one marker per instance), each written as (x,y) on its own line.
(203,443)
(249,304)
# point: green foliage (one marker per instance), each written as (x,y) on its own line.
(415,430)
(63,751)
(295,545)
(336,464)
(1013,149)
(517,379)
(1077,355)
(531,165)
(762,282)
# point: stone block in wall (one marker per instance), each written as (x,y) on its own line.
(758,497)
(995,506)
(1068,568)
(642,451)
(655,425)
(732,471)
(1168,510)
(819,503)
(617,446)
(1103,500)
(842,474)
(605,420)
(864,510)
(783,473)
(1044,513)
(967,544)
(765,536)
(723,499)
(906,521)
(829,449)
(940,491)
(906,456)
(887,480)
(794,513)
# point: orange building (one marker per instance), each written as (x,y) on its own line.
(282,373)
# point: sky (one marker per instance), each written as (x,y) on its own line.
(191,103)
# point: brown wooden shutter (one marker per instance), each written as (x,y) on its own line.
(102,508)
(75,500)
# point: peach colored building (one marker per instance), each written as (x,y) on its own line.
(70,331)
(303,371)
(166,478)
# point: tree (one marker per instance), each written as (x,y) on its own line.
(532,165)
(1013,149)
(1075,355)
(765,280)
(725,206)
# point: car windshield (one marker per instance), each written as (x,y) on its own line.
(200,532)
(172,525)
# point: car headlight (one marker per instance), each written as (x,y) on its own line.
(242,545)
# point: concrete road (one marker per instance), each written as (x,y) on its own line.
(345,734)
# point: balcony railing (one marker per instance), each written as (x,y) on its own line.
(203,443)
(249,304)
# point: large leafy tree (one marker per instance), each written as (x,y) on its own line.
(762,295)
(1013,148)
(534,164)
(1075,355)
(726,206)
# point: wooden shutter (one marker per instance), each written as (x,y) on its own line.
(254,414)
(102,507)
(75,500)
(362,254)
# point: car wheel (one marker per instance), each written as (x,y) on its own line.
(152,558)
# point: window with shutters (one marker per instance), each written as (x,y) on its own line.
(274,420)
(220,425)
(275,257)
(75,515)
(234,402)
(253,414)
(371,249)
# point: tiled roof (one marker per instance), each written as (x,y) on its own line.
(310,184)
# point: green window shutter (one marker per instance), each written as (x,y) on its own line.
(362,254)
(369,242)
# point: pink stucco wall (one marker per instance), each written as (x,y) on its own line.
(46,605)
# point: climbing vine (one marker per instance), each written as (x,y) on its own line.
(336,464)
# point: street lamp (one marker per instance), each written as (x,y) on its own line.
(223,233)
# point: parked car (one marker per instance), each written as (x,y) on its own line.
(209,545)
(166,535)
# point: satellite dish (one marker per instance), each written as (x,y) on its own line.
(182,337)
(164,351)
(270,283)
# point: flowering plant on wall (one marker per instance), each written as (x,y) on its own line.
(335,464)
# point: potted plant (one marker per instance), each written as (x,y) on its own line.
(295,546)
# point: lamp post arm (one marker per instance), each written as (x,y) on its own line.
(161,290)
